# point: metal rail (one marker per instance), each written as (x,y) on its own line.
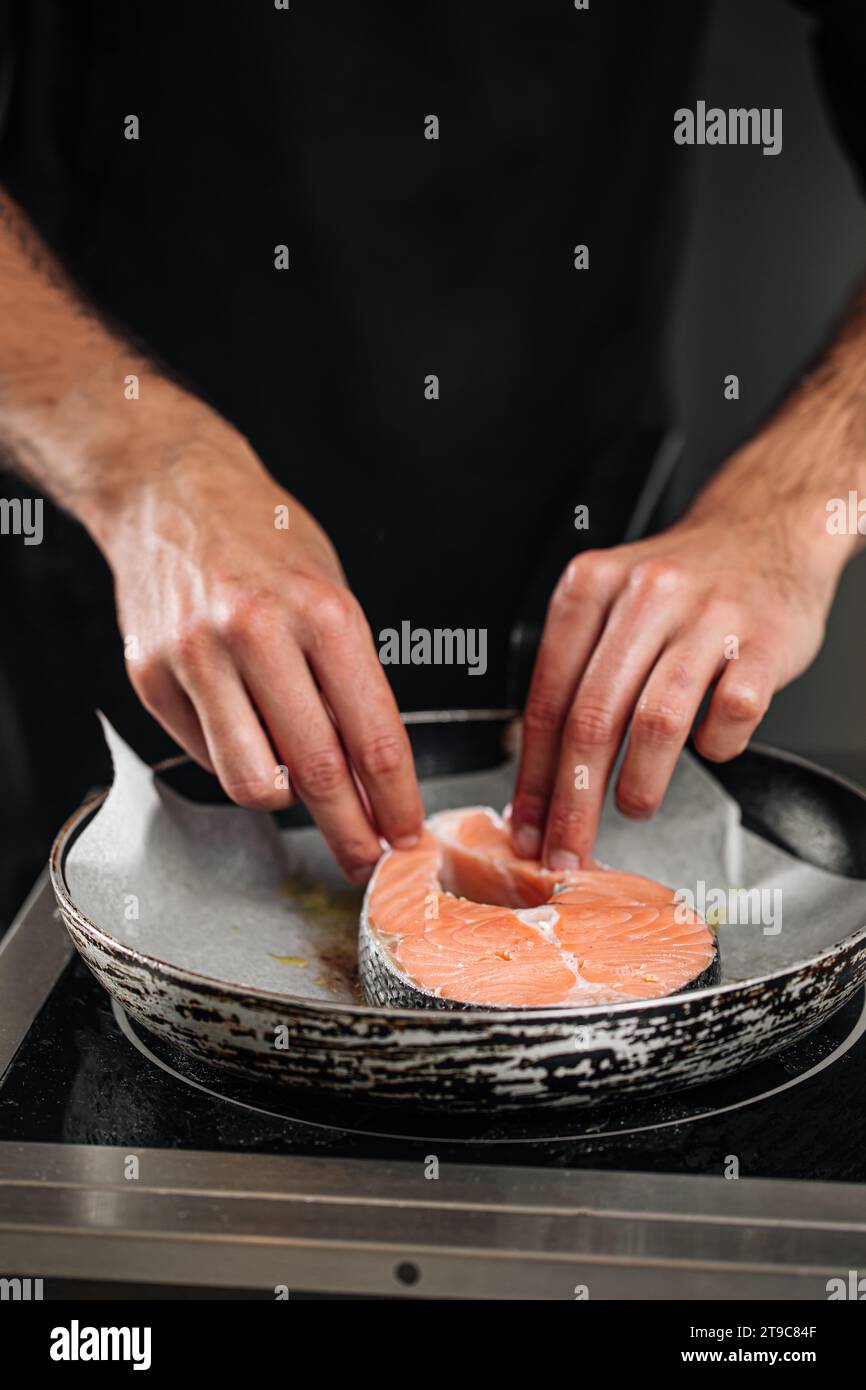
(250,1221)
(361,1226)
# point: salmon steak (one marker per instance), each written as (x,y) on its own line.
(459,921)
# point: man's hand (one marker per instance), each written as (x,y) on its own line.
(242,637)
(228,617)
(732,599)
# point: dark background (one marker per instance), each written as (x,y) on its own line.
(759,306)
(747,303)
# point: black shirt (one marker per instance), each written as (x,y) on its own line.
(408,257)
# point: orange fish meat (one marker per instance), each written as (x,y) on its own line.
(461,922)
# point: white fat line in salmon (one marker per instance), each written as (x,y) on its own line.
(543,920)
(439,646)
(732,907)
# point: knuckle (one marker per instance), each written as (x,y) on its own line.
(576,576)
(151,681)
(660,723)
(528,807)
(566,824)
(254,794)
(543,713)
(682,675)
(635,803)
(655,577)
(251,617)
(193,647)
(382,754)
(741,704)
(328,609)
(582,576)
(355,857)
(334,614)
(306,593)
(320,773)
(590,725)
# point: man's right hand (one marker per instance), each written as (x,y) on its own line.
(231,623)
(227,616)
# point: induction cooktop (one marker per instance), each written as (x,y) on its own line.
(107,1131)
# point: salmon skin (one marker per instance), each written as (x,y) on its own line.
(459,922)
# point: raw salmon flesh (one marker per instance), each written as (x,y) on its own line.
(460,922)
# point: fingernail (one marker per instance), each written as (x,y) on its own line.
(406,842)
(361,875)
(562,861)
(527,841)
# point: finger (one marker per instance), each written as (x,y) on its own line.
(164,698)
(643,617)
(663,717)
(574,622)
(740,701)
(283,688)
(237,745)
(347,665)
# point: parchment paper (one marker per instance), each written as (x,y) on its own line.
(223,892)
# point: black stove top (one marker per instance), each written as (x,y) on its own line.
(84,1075)
(631,1199)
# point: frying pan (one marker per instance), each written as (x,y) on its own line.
(515,1059)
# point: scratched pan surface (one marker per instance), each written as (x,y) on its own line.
(476,1060)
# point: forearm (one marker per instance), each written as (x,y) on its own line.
(82,413)
(812,450)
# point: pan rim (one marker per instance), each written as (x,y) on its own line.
(482,1017)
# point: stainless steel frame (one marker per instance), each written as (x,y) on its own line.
(248,1221)
(32,955)
(360,1226)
